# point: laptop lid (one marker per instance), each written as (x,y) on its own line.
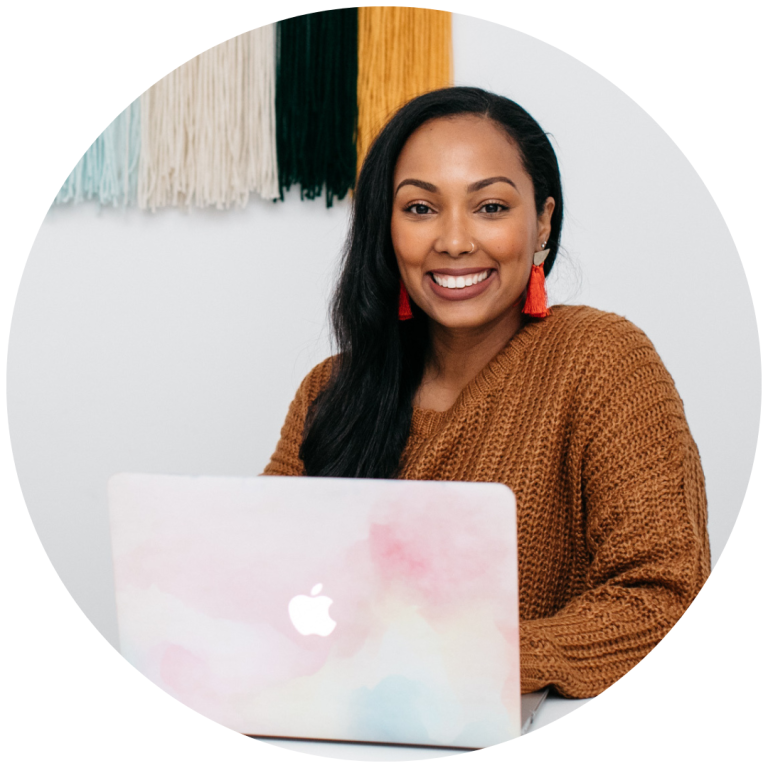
(357,610)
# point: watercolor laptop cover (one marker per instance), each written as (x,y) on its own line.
(355,610)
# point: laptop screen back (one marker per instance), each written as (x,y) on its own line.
(360,610)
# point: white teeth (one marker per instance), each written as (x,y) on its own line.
(448,281)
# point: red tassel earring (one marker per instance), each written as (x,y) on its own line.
(404,311)
(536,301)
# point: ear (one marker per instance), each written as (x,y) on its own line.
(545,218)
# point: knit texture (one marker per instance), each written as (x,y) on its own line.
(580,418)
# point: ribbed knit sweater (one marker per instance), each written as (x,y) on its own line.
(579,417)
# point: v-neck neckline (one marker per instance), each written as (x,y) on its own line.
(426,421)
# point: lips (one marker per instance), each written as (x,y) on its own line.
(460,284)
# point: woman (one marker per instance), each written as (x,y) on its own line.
(475,379)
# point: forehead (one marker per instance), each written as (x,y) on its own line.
(465,145)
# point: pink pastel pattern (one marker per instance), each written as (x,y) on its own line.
(423,578)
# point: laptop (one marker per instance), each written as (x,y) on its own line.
(374,611)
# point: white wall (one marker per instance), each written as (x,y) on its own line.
(173,342)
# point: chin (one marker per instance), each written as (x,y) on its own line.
(462,320)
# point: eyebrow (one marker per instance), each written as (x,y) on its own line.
(476,186)
(416,183)
(487,183)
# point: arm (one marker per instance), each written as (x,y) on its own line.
(285,460)
(644,522)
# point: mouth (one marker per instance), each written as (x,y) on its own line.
(460,284)
(455,282)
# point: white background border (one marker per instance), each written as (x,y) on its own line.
(68,68)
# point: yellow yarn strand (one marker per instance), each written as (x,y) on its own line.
(402,53)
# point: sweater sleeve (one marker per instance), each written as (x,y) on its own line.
(285,460)
(644,522)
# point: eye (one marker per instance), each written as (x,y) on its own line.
(420,209)
(492,208)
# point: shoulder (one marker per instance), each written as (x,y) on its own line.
(589,333)
(311,386)
(606,358)
(589,322)
(598,353)
(315,381)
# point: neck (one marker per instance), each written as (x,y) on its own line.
(459,354)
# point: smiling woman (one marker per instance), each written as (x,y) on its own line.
(465,244)
(459,209)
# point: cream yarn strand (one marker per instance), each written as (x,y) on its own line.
(260,120)
(208,128)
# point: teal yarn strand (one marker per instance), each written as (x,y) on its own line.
(316,103)
(109,170)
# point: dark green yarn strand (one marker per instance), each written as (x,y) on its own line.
(316,103)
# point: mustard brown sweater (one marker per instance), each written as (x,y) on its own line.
(580,418)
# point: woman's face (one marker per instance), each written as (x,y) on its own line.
(464,215)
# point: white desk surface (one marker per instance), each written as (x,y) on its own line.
(553,708)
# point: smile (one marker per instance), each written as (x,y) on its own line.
(462,281)
(466,285)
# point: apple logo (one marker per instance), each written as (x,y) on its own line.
(310,614)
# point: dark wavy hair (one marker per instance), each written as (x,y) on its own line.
(359,424)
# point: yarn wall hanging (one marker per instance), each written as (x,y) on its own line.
(316,103)
(208,128)
(108,171)
(402,53)
(297,102)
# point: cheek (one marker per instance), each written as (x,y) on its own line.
(512,236)
(410,243)
(507,246)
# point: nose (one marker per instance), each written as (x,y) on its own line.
(454,239)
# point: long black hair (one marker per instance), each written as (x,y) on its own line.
(358,425)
